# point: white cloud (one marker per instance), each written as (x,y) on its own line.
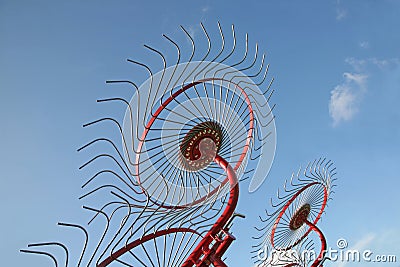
(360,65)
(342,105)
(359,79)
(205,9)
(340,13)
(364,44)
(345,97)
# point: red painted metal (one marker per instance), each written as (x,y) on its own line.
(291,200)
(203,255)
(321,255)
(165,104)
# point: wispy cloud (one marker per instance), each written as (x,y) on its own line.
(205,9)
(361,64)
(345,97)
(364,44)
(341,12)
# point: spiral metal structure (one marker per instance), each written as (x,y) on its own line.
(296,213)
(191,131)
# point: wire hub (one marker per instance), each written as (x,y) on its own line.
(300,217)
(201,144)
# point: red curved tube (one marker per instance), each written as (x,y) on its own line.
(203,248)
(320,258)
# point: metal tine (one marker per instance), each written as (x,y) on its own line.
(248,67)
(196,213)
(190,58)
(162,76)
(244,178)
(129,229)
(262,140)
(233,46)
(210,69)
(258,84)
(276,205)
(277,194)
(120,228)
(107,156)
(104,232)
(176,64)
(150,88)
(314,171)
(230,53)
(245,54)
(268,224)
(119,126)
(320,172)
(235,71)
(86,238)
(102,187)
(204,57)
(305,172)
(41,253)
(238,63)
(218,55)
(53,244)
(106,140)
(165,187)
(258,73)
(325,170)
(102,209)
(253,75)
(291,190)
(264,239)
(302,182)
(259,106)
(256,129)
(138,104)
(115,174)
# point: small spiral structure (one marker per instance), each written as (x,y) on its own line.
(296,212)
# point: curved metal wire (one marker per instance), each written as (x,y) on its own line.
(151,205)
(284,229)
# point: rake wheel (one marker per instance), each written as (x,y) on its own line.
(190,133)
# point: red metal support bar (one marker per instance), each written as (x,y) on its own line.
(321,255)
(203,246)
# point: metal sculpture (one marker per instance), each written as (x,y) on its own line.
(296,215)
(188,136)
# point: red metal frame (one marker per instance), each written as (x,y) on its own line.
(213,255)
(312,225)
(165,104)
(291,200)
(321,255)
(217,240)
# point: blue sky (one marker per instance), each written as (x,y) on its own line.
(337,78)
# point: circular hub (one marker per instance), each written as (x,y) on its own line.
(300,217)
(200,145)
